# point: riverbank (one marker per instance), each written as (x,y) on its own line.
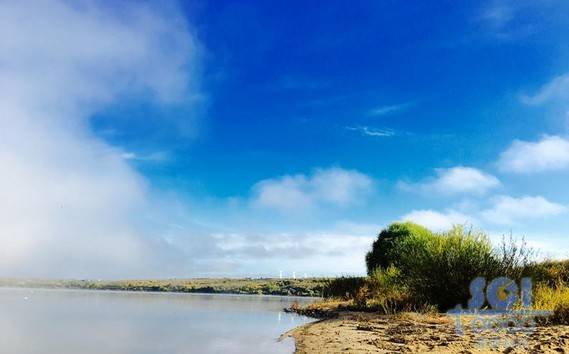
(310,287)
(357,332)
(415,276)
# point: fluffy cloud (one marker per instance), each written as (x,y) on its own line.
(558,88)
(438,221)
(508,210)
(551,153)
(456,180)
(325,187)
(70,202)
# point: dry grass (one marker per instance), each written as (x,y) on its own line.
(554,299)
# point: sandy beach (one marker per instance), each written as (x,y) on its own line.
(354,332)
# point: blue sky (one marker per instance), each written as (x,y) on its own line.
(253,137)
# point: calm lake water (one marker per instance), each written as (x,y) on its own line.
(104,322)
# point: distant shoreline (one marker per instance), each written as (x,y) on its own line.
(309,287)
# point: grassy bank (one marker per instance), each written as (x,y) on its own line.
(266,286)
(411,269)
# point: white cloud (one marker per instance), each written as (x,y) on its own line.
(325,187)
(157,156)
(70,204)
(456,180)
(508,210)
(548,245)
(438,221)
(385,110)
(557,88)
(551,153)
(376,132)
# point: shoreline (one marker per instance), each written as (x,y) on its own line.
(305,288)
(111,291)
(358,332)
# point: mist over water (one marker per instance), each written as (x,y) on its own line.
(79,321)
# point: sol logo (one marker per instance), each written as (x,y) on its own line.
(502,294)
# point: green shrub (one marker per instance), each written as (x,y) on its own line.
(382,254)
(384,281)
(440,267)
(343,287)
(551,273)
(387,291)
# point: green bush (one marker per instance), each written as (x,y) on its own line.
(387,291)
(384,292)
(413,269)
(385,281)
(343,287)
(440,267)
(551,273)
(382,254)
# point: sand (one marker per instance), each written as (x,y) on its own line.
(414,333)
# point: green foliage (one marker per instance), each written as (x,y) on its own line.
(386,291)
(439,267)
(412,269)
(266,286)
(383,292)
(344,287)
(551,273)
(384,281)
(382,254)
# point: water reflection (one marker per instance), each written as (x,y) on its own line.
(70,322)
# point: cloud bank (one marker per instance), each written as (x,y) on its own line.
(70,202)
(551,153)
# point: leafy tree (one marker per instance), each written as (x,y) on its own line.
(383,252)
